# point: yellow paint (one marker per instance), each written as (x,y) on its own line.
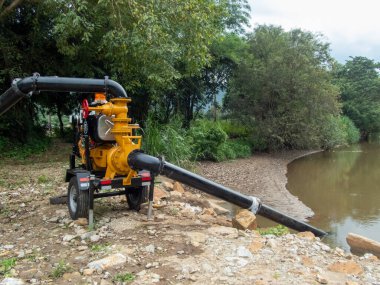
(113,157)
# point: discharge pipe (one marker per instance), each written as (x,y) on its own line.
(138,160)
(22,87)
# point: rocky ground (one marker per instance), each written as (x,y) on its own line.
(190,241)
(263,176)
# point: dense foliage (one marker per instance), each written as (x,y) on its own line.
(158,50)
(174,58)
(204,140)
(284,90)
(360,86)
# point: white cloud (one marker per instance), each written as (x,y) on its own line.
(350,26)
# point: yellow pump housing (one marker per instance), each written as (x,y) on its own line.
(112,157)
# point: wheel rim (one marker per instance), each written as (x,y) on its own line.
(73,199)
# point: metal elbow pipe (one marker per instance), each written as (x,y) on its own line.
(10,98)
(21,87)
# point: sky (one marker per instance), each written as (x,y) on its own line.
(351,27)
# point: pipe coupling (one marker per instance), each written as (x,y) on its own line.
(256,203)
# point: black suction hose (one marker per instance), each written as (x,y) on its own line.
(10,98)
(138,160)
(21,87)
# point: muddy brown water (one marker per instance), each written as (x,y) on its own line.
(342,187)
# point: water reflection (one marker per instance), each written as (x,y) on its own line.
(342,188)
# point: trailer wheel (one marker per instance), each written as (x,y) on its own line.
(77,200)
(136,196)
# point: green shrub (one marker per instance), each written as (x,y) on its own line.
(6,265)
(234,129)
(333,133)
(206,139)
(278,230)
(225,152)
(257,142)
(339,130)
(352,132)
(169,141)
(60,269)
(126,277)
(232,149)
(15,150)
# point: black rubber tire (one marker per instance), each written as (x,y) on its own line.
(136,196)
(77,200)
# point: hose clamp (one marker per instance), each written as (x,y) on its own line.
(34,85)
(162,163)
(106,79)
(256,203)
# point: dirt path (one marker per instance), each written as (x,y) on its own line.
(263,176)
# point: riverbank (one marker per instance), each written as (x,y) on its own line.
(262,175)
(190,241)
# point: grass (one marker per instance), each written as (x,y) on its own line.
(6,265)
(126,277)
(60,269)
(5,212)
(17,151)
(42,179)
(278,230)
(169,141)
(32,257)
(174,211)
(99,247)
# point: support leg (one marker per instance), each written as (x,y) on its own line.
(91,208)
(151,195)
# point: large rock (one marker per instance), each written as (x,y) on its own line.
(348,267)
(256,245)
(306,235)
(218,209)
(168,186)
(244,220)
(224,231)
(178,187)
(81,222)
(197,238)
(28,274)
(360,244)
(160,193)
(108,262)
(12,281)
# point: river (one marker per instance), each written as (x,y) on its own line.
(342,187)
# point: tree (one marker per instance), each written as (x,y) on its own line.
(193,93)
(6,7)
(283,88)
(26,46)
(359,82)
(146,45)
(151,47)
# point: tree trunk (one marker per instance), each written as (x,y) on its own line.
(214,101)
(59,115)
